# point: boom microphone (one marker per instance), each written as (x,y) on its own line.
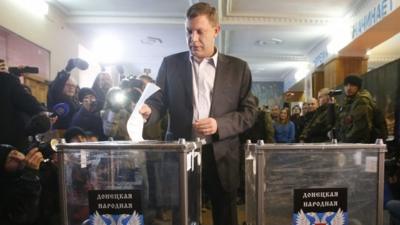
(76,62)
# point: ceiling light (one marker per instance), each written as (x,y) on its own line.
(151,40)
(272,41)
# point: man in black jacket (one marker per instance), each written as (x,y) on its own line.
(15,100)
(20,185)
(62,95)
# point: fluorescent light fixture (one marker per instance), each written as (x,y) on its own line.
(272,41)
(37,7)
(107,49)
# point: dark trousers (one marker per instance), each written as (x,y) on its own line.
(223,203)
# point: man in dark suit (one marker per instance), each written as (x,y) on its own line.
(207,95)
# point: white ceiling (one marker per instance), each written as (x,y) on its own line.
(300,24)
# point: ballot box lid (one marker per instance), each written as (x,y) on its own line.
(318,146)
(129,145)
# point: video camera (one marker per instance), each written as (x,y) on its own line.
(335,92)
(18,71)
(132,87)
(36,130)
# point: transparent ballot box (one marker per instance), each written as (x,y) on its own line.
(128,183)
(314,184)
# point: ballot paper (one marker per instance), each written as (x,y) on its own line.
(136,121)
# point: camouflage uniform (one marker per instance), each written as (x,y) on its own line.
(262,129)
(304,120)
(317,128)
(356,118)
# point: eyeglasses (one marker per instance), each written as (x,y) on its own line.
(70,85)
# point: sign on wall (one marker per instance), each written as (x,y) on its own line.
(371,17)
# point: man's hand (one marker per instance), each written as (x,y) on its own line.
(145,111)
(15,161)
(51,116)
(33,159)
(207,126)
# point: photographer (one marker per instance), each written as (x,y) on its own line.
(118,107)
(88,117)
(14,100)
(101,85)
(61,97)
(20,187)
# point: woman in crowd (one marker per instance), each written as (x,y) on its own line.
(284,128)
(101,85)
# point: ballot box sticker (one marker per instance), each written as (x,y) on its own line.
(320,206)
(120,207)
(371,164)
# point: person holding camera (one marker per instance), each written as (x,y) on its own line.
(316,130)
(15,100)
(118,107)
(62,95)
(20,187)
(101,85)
(88,117)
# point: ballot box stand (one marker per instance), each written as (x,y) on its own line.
(314,183)
(128,183)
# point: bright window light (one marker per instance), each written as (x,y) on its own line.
(302,71)
(107,49)
(37,7)
(340,33)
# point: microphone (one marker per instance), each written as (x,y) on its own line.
(61,109)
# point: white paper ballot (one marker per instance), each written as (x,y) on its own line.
(136,121)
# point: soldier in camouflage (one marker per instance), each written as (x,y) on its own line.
(317,128)
(309,109)
(355,119)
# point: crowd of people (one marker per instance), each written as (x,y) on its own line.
(322,119)
(29,176)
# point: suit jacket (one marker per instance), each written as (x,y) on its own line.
(233,106)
